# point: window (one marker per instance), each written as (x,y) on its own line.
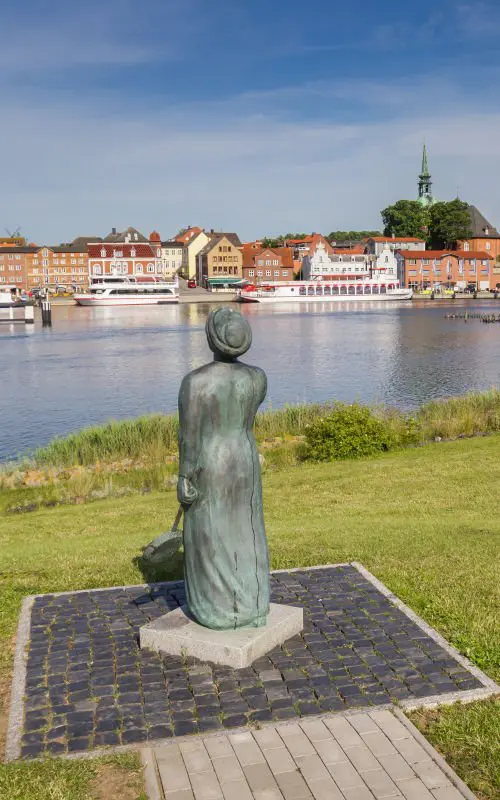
(285,273)
(55,261)
(412,261)
(133,252)
(268,273)
(118,253)
(275,262)
(425,261)
(259,273)
(103,253)
(268,262)
(466,246)
(11,256)
(151,268)
(139,269)
(251,273)
(18,267)
(97,270)
(45,252)
(73,260)
(487,246)
(484,262)
(276,273)
(18,258)
(45,262)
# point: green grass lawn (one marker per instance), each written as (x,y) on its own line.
(425,521)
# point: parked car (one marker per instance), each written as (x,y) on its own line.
(192,283)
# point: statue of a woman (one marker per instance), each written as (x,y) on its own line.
(226,563)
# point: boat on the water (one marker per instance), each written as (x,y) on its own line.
(10,300)
(324,291)
(129,291)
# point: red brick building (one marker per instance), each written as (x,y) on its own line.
(447,269)
(267,264)
(125,258)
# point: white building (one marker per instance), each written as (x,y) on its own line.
(376,244)
(172,257)
(321,265)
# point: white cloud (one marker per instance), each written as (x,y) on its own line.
(75,168)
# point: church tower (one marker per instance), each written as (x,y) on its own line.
(424,182)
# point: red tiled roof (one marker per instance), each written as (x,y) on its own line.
(188,235)
(141,250)
(394,239)
(465,254)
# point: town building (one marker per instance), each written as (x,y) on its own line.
(376,244)
(50,267)
(446,269)
(220,262)
(193,240)
(125,237)
(125,258)
(322,264)
(267,264)
(172,253)
(484,236)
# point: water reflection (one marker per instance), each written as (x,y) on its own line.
(95,364)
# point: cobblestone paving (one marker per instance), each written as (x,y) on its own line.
(360,757)
(89,685)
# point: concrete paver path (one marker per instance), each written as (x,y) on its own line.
(376,754)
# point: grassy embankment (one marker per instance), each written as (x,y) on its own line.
(131,456)
(425,521)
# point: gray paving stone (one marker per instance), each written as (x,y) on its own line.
(293,786)
(195,756)
(268,738)
(344,775)
(218,746)
(171,767)
(312,768)
(206,786)
(260,778)
(330,751)
(344,733)
(447,793)
(296,741)
(325,789)
(363,723)
(396,767)
(388,723)
(379,744)
(430,774)
(411,751)
(228,769)
(279,760)
(237,790)
(246,749)
(358,793)
(380,784)
(315,730)
(362,758)
(414,789)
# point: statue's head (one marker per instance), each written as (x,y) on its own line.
(228,332)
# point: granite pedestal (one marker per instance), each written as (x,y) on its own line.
(176,633)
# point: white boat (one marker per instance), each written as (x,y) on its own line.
(325,291)
(9,300)
(129,291)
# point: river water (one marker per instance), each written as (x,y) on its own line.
(98,364)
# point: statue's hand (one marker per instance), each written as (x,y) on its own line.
(186,491)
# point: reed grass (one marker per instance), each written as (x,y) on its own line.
(152,439)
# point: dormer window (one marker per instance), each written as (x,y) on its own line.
(486,231)
(118,253)
(132,252)
(103,253)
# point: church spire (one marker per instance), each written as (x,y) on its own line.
(424,181)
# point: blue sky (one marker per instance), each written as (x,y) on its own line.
(257,116)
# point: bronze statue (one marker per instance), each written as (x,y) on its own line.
(226,562)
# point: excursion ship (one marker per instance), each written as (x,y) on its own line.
(335,278)
(323,291)
(129,291)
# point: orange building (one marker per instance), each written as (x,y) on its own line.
(267,264)
(484,237)
(447,269)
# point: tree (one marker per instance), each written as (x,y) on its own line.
(406,218)
(350,236)
(448,223)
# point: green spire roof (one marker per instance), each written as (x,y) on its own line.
(425,166)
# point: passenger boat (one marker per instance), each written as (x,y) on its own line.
(9,300)
(324,290)
(129,291)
